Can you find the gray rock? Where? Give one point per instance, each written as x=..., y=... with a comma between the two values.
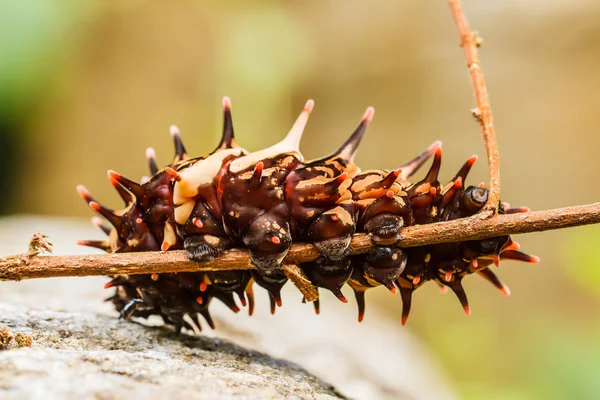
x=81, y=350
x=87, y=355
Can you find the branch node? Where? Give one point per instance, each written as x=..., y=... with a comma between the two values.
x=476, y=112
x=477, y=40
x=39, y=244
x=301, y=281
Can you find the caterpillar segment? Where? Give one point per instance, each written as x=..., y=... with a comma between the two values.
x=198, y=211
x=330, y=274
x=380, y=266
x=268, y=199
x=252, y=192
x=319, y=200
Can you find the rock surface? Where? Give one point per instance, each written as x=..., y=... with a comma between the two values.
x=81, y=350
x=79, y=355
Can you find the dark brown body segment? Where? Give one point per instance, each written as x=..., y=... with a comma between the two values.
x=319, y=199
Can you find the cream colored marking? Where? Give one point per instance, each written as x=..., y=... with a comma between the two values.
x=212, y=240
x=354, y=284
x=290, y=144
x=345, y=217
x=446, y=188
x=379, y=192
x=371, y=281
x=267, y=172
x=369, y=178
x=247, y=175
x=169, y=234
x=289, y=159
x=319, y=196
x=323, y=168
x=395, y=256
x=270, y=172
x=364, y=203
x=133, y=242
x=317, y=180
x=345, y=186
x=183, y=212
x=113, y=239
x=403, y=183
x=347, y=195
x=201, y=173
x=310, y=213
x=352, y=170
x=427, y=258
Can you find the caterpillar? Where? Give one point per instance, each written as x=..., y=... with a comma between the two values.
x=266, y=200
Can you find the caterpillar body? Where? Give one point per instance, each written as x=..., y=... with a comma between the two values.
x=266, y=200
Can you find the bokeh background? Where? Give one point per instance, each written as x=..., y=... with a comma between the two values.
x=87, y=86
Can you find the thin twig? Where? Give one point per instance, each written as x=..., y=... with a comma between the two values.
x=470, y=41
x=301, y=281
x=16, y=268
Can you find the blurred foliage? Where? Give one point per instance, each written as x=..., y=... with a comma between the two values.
x=86, y=86
x=582, y=259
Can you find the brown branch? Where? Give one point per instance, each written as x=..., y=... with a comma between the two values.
x=301, y=281
x=483, y=112
x=19, y=267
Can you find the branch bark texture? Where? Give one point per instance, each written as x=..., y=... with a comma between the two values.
x=26, y=266
x=470, y=42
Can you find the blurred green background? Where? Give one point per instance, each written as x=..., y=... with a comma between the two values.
x=87, y=86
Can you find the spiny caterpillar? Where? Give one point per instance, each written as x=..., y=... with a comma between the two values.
x=268, y=199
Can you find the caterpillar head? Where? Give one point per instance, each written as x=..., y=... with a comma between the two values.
x=473, y=200
x=448, y=203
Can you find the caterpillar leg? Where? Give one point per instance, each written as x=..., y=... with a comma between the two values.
x=205, y=247
x=145, y=303
x=329, y=274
